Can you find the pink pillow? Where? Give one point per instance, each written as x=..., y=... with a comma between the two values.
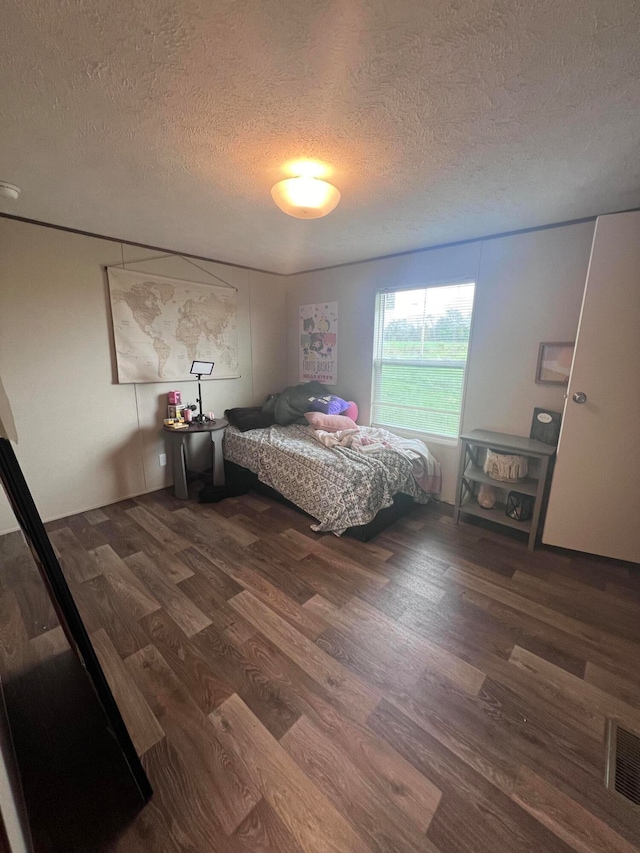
x=329, y=423
x=351, y=411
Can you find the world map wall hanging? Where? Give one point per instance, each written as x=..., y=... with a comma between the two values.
x=162, y=324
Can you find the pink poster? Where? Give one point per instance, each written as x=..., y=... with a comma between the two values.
x=319, y=343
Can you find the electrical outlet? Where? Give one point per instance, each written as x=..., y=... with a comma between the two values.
x=162, y=459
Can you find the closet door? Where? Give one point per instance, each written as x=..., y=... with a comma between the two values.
x=594, y=504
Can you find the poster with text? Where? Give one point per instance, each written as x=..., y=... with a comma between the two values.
x=319, y=343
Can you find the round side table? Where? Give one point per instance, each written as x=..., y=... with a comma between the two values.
x=178, y=448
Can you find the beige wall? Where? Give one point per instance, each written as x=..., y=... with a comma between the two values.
x=529, y=289
x=85, y=441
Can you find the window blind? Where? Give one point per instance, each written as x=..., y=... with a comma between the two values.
x=421, y=344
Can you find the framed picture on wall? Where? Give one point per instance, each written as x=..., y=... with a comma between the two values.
x=554, y=363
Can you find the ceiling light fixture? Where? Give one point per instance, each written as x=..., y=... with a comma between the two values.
x=9, y=190
x=305, y=197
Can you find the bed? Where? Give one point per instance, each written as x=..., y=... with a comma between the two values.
x=342, y=489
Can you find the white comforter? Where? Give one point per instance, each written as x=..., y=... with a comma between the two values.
x=425, y=468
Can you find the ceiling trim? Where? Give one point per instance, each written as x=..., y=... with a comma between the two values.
x=497, y=236
x=454, y=243
x=133, y=243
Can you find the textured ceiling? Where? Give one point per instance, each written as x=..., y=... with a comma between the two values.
x=168, y=121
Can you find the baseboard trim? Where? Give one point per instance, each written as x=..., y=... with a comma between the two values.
x=126, y=498
x=89, y=508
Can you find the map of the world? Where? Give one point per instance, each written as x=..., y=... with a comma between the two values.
x=162, y=324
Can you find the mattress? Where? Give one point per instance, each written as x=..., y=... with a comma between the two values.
x=339, y=487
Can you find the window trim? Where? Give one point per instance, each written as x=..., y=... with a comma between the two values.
x=450, y=282
x=377, y=363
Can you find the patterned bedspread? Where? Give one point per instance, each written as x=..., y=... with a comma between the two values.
x=340, y=487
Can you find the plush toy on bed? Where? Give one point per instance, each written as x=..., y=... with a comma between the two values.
x=351, y=411
x=330, y=404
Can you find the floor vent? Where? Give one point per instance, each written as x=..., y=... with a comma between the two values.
x=623, y=762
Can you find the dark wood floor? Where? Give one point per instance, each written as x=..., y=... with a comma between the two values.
x=436, y=689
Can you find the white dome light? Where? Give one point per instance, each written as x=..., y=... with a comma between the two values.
x=305, y=197
x=9, y=190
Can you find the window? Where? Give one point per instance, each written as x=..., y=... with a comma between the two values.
x=422, y=338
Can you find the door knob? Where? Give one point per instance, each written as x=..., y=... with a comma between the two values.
x=579, y=397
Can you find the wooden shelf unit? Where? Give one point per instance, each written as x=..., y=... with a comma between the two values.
x=528, y=486
x=473, y=445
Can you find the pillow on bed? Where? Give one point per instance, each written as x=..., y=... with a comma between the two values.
x=328, y=405
x=351, y=411
x=329, y=423
x=251, y=417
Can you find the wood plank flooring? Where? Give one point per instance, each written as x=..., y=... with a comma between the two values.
x=437, y=689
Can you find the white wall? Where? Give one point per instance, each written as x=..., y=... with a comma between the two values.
x=84, y=440
x=529, y=289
